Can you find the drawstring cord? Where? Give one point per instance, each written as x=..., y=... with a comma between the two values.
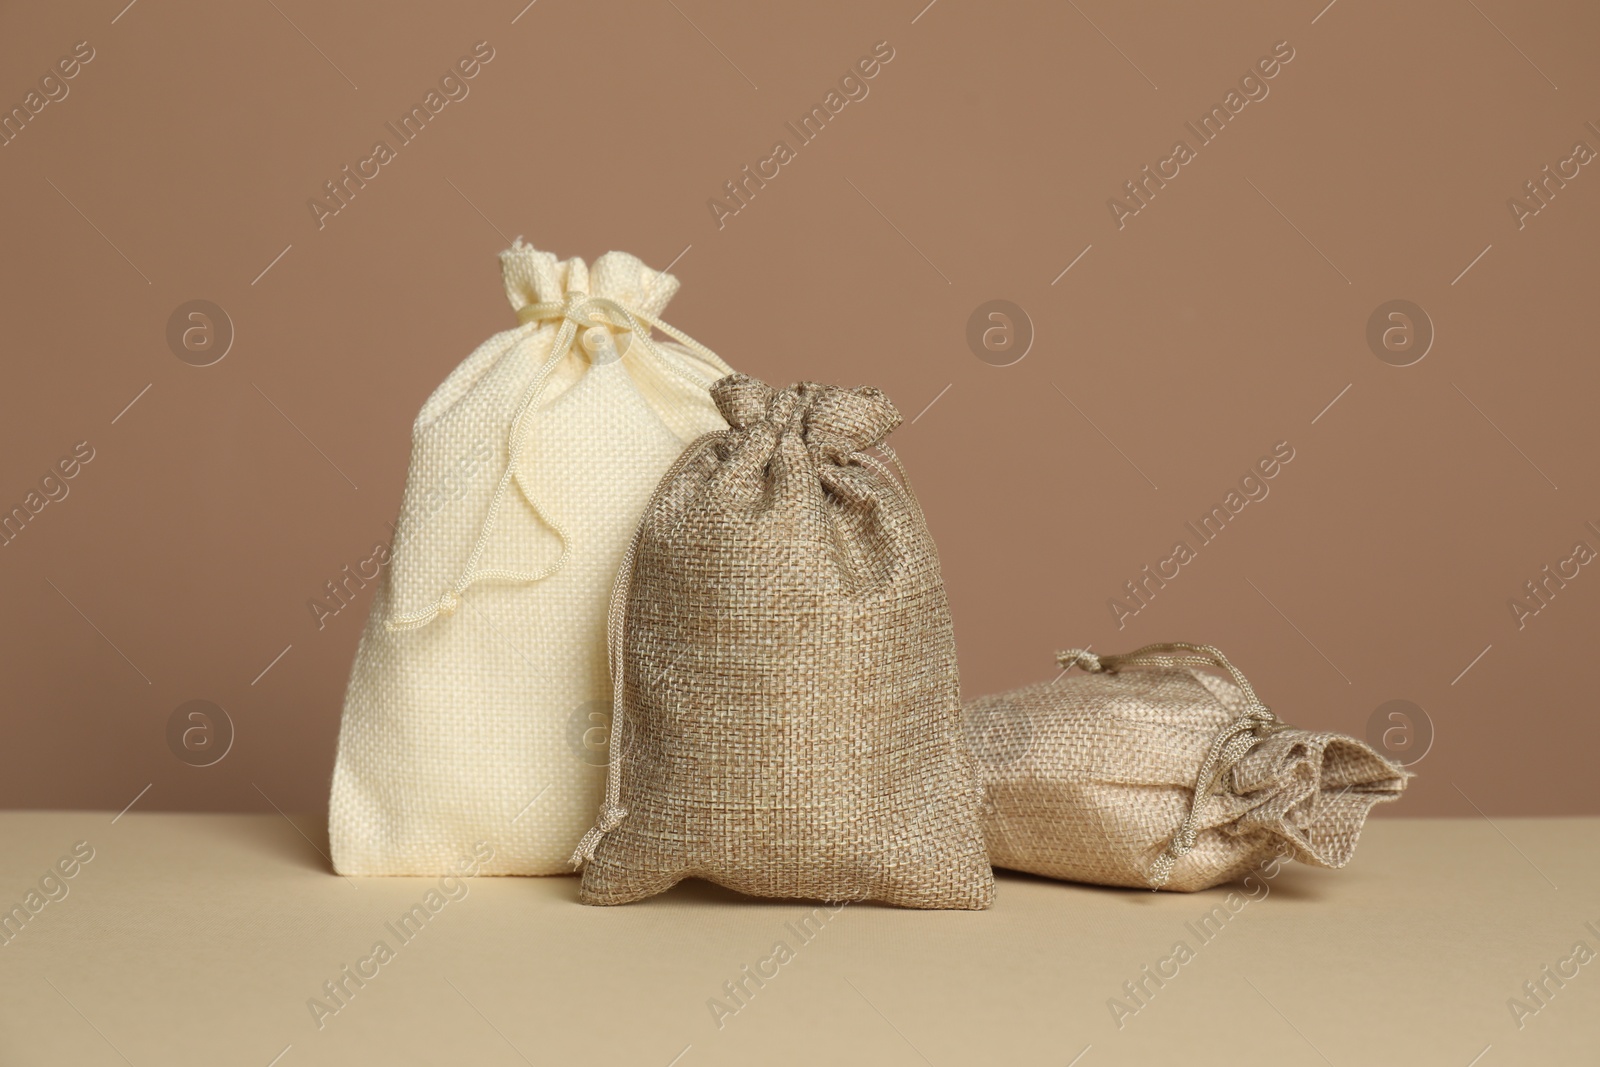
x=577, y=309
x=1255, y=723
x=611, y=810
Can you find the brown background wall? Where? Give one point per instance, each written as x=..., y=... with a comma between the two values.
x=1223, y=318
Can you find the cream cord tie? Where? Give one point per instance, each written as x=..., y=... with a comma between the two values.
x=1256, y=722
x=611, y=810
x=577, y=309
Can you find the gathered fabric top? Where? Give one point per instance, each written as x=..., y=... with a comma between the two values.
x=834, y=422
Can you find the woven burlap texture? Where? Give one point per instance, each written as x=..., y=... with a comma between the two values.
x=789, y=711
x=1088, y=777
x=487, y=721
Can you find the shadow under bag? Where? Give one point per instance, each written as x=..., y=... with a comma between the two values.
x=478, y=706
x=788, y=720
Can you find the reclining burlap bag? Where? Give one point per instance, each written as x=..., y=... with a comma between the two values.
x=1143, y=771
x=478, y=704
x=788, y=719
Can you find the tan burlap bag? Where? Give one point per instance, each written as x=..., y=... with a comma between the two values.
x=786, y=706
x=1144, y=771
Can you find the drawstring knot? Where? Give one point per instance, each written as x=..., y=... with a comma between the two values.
x=576, y=307
x=573, y=304
x=1081, y=658
x=611, y=816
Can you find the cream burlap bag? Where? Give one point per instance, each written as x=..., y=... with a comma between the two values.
x=787, y=705
x=477, y=708
x=1143, y=771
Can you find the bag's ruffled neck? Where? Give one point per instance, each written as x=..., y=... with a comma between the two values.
x=533, y=277
x=834, y=422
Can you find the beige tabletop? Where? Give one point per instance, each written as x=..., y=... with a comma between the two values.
x=208, y=939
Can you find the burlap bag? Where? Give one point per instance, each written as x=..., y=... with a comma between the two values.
x=785, y=673
x=478, y=705
x=1141, y=770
